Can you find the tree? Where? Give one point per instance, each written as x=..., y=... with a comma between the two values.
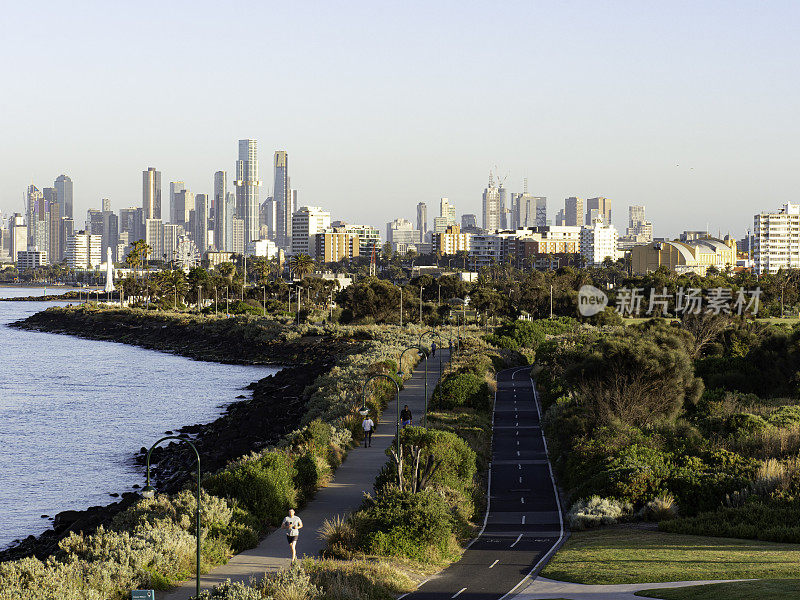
x=301, y=265
x=138, y=253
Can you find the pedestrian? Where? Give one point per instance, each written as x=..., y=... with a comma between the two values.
x=405, y=416
x=451, y=347
x=293, y=525
x=368, y=425
x=433, y=348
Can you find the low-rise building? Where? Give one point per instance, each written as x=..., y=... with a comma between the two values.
x=598, y=242
x=451, y=241
x=694, y=256
x=335, y=244
x=31, y=259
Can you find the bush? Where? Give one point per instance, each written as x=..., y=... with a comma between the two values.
x=661, y=508
x=757, y=520
x=312, y=472
x=231, y=591
x=597, y=511
x=461, y=390
x=263, y=483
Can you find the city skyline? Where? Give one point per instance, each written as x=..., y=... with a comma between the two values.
x=671, y=111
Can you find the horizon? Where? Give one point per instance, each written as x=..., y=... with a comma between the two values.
x=664, y=107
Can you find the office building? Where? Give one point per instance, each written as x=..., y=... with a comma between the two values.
x=224, y=212
x=94, y=221
x=154, y=237
x=19, y=236
x=422, y=220
x=369, y=238
x=602, y=206
x=451, y=241
x=84, y=250
x=528, y=211
x=263, y=248
x=33, y=198
x=307, y=222
x=401, y=231
x=598, y=242
x=201, y=209
x=110, y=233
x=639, y=230
x=67, y=228
x=447, y=216
x=239, y=243
x=54, y=241
x=248, y=187
x=494, y=206
x=776, y=239
x=172, y=237
x=573, y=212
x=282, y=197
x=182, y=204
x=174, y=188
x=63, y=186
x=151, y=194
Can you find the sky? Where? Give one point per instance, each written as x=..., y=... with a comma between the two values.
x=689, y=108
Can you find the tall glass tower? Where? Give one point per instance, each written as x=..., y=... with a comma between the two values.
x=247, y=184
x=63, y=185
x=283, y=200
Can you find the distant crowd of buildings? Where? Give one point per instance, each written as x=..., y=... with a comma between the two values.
x=514, y=228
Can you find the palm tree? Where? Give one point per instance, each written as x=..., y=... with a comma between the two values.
x=301, y=265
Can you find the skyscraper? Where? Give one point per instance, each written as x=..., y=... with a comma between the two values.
x=201, y=222
x=224, y=212
x=603, y=208
x=573, y=212
x=174, y=188
x=63, y=185
x=184, y=202
x=528, y=211
x=247, y=188
x=422, y=220
x=493, y=209
x=151, y=194
x=54, y=249
x=282, y=197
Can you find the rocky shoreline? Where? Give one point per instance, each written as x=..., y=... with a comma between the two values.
x=276, y=407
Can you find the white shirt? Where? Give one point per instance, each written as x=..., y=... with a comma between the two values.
x=367, y=424
x=293, y=523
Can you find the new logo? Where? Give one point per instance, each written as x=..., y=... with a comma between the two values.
x=591, y=300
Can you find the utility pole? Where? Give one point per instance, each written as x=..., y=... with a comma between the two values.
x=551, y=300
x=420, y=304
x=401, y=306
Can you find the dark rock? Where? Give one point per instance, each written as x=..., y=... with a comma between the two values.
x=45, y=516
x=114, y=495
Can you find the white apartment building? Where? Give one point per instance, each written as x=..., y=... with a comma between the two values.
x=452, y=241
x=776, y=239
x=598, y=242
x=263, y=248
x=31, y=259
x=172, y=236
x=307, y=222
x=154, y=237
x=84, y=250
x=401, y=232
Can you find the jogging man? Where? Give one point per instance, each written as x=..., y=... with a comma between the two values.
x=368, y=425
x=293, y=525
x=433, y=348
x=405, y=416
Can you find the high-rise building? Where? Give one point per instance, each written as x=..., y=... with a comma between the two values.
x=19, y=236
x=598, y=242
x=238, y=246
x=573, y=212
x=776, y=239
x=183, y=203
x=67, y=226
x=33, y=199
x=224, y=212
x=451, y=241
x=110, y=233
x=84, y=250
x=106, y=204
x=306, y=223
x=247, y=188
x=422, y=220
x=469, y=221
x=174, y=188
x=50, y=197
x=528, y=211
x=63, y=185
x=54, y=246
x=561, y=217
x=639, y=230
x=94, y=221
x=447, y=216
x=493, y=207
x=154, y=237
x=603, y=208
x=401, y=232
x=282, y=196
x=172, y=235
x=334, y=244
x=201, y=209
x=151, y=194
x=369, y=238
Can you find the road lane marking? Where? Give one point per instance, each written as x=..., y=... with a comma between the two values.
x=516, y=541
x=490, y=566
x=519, y=467
x=517, y=452
x=458, y=593
x=517, y=442
x=523, y=519
x=520, y=479
x=522, y=500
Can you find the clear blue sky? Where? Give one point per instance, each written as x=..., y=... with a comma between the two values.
x=690, y=108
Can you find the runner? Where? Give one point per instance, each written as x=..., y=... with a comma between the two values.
x=405, y=416
x=293, y=525
x=368, y=425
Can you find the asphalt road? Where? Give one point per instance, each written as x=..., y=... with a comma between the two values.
x=523, y=523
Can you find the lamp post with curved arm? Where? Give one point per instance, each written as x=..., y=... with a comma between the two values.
x=149, y=491
x=364, y=410
x=400, y=372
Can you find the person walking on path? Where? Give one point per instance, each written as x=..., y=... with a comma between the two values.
x=368, y=425
x=405, y=416
x=433, y=348
x=293, y=525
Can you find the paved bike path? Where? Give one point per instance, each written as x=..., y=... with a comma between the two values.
x=341, y=497
x=523, y=524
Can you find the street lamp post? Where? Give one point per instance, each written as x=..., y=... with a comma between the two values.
x=436, y=333
x=199, y=310
x=364, y=410
x=149, y=491
x=264, y=304
x=216, y=301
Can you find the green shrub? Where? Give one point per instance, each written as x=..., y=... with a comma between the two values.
x=263, y=483
x=312, y=471
x=461, y=390
x=596, y=511
x=746, y=423
x=231, y=591
x=757, y=520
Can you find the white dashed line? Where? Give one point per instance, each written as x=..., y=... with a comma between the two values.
x=517, y=452
x=522, y=500
x=458, y=593
x=490, y=566
x=520, y=479
x=515, y=542
x=523, y=519
x=519, y=467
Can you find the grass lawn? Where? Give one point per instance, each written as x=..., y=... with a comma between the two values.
x=627, y=555
x=780, y=589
